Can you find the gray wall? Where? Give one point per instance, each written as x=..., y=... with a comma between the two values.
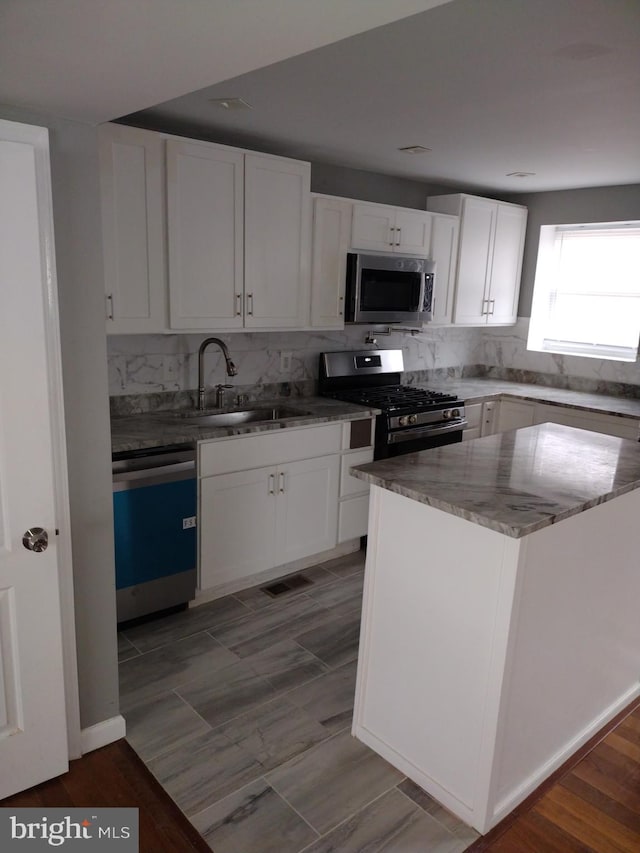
x=369, y=186
x=74, y=168
x=597, y=204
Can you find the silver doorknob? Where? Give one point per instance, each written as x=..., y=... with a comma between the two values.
x=36, y=539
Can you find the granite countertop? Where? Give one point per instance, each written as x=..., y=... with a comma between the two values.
x=479, y=390
x=515, y=482
x=159, y=429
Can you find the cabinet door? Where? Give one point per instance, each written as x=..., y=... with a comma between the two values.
x=236, y=525
x=277, y=242
x=608, y=424
x=307, y=507
x=413, y=232
x=477, y=228
x=444, y=248
x=506, y=265
x=331, y=242
x=131, y=184
x=374, y=227
x=205, y=235
x=513, y=414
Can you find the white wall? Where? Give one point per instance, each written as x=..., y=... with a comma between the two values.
x=80, y=284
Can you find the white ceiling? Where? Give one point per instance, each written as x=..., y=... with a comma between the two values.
x=95, y=60
x=491, y=86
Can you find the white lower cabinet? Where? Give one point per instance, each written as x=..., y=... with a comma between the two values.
x=480, y=418
x=595, y=421
x=269, y=499
x=513, y=414
x=254, y=520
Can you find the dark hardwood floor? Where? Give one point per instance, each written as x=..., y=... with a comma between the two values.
x=115, y=776
x=592, y=807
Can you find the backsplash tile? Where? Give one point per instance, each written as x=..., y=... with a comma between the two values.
x=151, y=372
x=148, y=364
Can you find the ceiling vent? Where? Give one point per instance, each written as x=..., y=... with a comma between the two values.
x=520, y=174
x=414, y=149
x=230, y=103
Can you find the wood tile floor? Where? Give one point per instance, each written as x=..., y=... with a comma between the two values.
x=242, y=708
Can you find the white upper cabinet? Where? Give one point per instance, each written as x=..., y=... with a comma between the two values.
x=444, y=248
x=132, y=195
x=205, y=200
x=490, y=250
x=231, y=228
x=381, y=228
x=331, y=242
x=277, y=242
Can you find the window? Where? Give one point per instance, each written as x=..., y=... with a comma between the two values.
x=586, y=298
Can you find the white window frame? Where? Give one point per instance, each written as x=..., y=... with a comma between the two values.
x=544, y=287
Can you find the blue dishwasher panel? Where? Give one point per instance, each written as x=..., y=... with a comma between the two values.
x=150, y=542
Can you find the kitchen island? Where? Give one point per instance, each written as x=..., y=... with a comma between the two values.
x=500, y=618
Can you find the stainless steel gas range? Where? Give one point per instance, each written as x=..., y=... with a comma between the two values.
x=412, y=418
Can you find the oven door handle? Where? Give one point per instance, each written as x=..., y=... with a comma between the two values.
x=424, y=432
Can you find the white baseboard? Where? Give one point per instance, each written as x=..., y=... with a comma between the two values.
x=108, y=731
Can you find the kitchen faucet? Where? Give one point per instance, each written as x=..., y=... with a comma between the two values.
x=232, y=370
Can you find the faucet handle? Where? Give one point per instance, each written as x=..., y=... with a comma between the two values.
x=220, y=389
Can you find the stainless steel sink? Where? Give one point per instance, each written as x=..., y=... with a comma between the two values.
x=274, y=413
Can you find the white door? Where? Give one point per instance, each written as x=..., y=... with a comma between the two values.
x=237, y=526
x=33, y=731
x=307, y=507
x=477, y=230
x=374, y=227
x=506, y=264
x=205, y=235
x=331, y=241
x=277, y=238
x=413, y=232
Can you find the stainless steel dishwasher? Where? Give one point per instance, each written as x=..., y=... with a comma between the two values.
x=154, y=508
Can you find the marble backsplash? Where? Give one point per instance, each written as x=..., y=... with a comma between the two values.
x=148, y=372
x=503, y=352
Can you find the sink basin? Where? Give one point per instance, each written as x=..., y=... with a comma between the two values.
x=274, y=413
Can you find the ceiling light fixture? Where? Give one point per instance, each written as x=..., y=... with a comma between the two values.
x=415, y=149
x=230, y=103
x=520, y=174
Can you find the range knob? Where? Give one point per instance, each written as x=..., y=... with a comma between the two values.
x=455, y=413
x=446, y=415
x=413, y=419
x=403, y=421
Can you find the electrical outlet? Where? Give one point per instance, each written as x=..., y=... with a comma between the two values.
x=285, y=362
x=188, y=522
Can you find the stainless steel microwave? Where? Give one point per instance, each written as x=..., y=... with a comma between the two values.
x=389, y=289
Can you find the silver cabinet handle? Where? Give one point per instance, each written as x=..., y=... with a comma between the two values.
x=341, y=306
x=484, y=310
x=391, y=242
x=109, y=299
x=249, y=303
x=491, y=302
x=281, y=482
x=399, y=238
x=36, y=539
x=238, y=304
x=272, y=484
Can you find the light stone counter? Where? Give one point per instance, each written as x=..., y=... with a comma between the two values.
x=479, y=390
x=161, y=429
x=500, y=624
x=516, y=482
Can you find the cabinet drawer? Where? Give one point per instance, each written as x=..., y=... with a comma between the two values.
x=240, y=453
x=353, y=518
x=351, y=485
